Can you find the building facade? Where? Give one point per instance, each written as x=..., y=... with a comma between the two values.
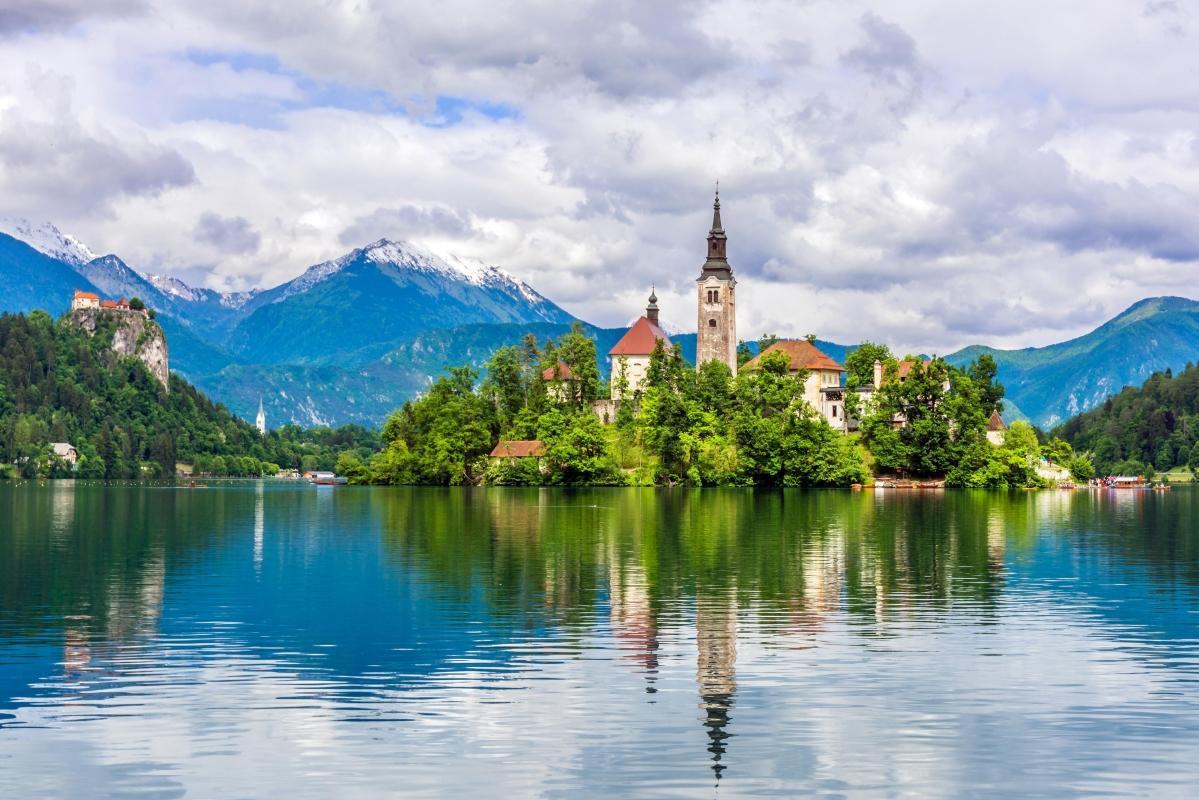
x=716, y=296
x=628, y=360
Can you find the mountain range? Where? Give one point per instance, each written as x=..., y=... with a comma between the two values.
x=350, y=339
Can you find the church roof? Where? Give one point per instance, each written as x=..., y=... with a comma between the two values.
x=801, y=353
x=996, y=423
x=640, y=339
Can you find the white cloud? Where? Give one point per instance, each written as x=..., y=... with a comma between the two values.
x=924, y=174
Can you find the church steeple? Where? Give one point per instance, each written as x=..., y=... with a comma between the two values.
x=717, y=304
x=718, y=261
x=651, y=310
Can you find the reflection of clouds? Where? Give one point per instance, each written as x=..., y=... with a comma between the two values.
x=1059, y=697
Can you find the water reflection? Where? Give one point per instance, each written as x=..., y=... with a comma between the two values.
x=536, y=641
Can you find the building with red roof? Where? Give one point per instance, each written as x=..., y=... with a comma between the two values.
x=630, y=356
x=823, y=389
x=519, y=448
x=84, y=300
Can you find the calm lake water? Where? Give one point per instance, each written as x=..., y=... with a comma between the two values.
x=276, y=640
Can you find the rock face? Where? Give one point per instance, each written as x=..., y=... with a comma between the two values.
x=135, y=335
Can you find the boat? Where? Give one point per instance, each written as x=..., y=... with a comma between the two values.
x=1162, y=487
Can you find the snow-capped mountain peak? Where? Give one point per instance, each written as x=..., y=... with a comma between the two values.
x=174, y=287
x=47, y=239
x=413, y=257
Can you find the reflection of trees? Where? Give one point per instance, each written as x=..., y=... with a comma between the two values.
x=555, y=556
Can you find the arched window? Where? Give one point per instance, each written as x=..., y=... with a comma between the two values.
x=715, y=295
x=711, y=323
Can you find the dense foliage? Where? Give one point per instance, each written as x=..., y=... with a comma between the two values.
x=1155, y=427
x=57, y=384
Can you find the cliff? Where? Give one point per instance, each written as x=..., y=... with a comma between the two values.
x=133, y=334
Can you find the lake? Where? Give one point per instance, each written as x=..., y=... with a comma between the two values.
x=280, y=640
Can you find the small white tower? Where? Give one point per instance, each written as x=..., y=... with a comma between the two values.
x=260, y=422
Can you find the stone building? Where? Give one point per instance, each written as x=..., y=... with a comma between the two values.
x=716, y=298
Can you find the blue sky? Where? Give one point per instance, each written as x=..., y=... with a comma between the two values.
x=924, y=174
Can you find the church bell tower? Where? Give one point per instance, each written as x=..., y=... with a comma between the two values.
x=717, y=301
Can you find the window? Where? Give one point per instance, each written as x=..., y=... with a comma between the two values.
x=711, y=323
x=834, y=412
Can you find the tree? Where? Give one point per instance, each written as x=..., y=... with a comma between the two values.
x=859, y=364
x=576, y=449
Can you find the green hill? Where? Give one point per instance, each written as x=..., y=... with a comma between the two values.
x=1051, y=384
x=1138, y=430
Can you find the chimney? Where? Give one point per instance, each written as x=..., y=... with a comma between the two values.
x=651, y=311
x=878, y=374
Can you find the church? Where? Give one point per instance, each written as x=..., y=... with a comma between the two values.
x=628, y=359
x=716, y=340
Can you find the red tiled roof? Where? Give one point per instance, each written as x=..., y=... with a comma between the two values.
x=518, y=448
x=560, y=373
x=86, y=295
x=906, y=366
x=108, y=304
x=996, y=423
x=801, y=353
x=640, y=339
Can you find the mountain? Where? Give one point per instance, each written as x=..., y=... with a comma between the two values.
x=48, y=240
x=1051, y=384
x=376, y=295
x=1139, y=430
x=32, y=279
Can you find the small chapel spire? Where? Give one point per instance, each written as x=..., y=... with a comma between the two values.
x=716, y=226
x=651, y=310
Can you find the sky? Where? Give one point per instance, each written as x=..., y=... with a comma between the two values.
x=926, y=174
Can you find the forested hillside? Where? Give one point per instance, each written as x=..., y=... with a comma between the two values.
x=1139, y=430
x=57, y=384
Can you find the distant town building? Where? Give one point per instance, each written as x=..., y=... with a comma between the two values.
x=83, y=300
x=260, y=420
x=716, y=298
x=996, y=429
x=87, y=300
x=65, y=451
x=630, y=355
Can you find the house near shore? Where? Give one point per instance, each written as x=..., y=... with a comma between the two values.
x=512, y=450
x=823, y=388
x=65, y=451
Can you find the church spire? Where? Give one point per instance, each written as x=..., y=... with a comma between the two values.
x=651, y=310
x=718, y=261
